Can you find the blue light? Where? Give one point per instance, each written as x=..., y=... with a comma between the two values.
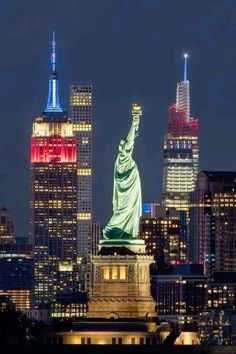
x=53, y=102
x=53, y=56
x=185, y=66
x=146, y=207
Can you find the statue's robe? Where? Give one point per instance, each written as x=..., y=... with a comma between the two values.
x=124, y=223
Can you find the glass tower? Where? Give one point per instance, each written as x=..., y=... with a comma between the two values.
x=181, y=156
x=53, y=197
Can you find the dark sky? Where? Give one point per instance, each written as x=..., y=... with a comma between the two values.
x=129, y=50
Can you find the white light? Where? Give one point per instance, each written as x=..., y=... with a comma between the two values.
x=185, y=55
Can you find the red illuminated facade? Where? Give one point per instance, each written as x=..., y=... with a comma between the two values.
x=51, y=149
x=178, y=124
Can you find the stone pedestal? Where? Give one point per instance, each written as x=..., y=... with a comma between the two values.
x=121, y=281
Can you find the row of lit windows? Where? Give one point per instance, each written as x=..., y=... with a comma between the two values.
x=83, y=171
x=78, y=101
x=82, y=126
x=83, y=215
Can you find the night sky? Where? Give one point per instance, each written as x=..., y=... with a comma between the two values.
x=129, y=50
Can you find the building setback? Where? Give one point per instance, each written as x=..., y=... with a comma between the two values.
x=53, y=196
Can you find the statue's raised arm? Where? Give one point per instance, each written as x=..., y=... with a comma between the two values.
x=133, y=132
x=124, y=223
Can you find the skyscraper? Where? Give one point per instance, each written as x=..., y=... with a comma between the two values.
x=53, y=196
x=180, y=165
x=81, y=116
x=213, y=221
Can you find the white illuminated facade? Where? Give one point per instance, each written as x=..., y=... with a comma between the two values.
x=81, y=116
x=180, y=169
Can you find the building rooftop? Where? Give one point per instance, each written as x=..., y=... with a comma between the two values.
x=224, y=277
x=219, y=175
x=113, y=250
x=117, y=325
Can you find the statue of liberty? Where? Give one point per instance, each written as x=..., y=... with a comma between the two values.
x=127, y=201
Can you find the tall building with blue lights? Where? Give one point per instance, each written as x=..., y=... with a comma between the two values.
x=53, y=196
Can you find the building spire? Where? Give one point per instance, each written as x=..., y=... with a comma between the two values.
x=53, y=102
x=185, y=66
x=53, y=55
x=182, y=92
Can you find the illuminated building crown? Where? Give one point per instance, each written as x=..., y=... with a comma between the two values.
x=182, y=93
x=53, y=102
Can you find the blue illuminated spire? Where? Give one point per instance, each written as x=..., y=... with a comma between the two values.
x=185, y=66
x=53, y=102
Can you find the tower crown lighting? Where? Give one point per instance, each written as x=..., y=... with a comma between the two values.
x=53, y=102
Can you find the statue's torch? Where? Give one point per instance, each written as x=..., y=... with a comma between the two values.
x=136, y=113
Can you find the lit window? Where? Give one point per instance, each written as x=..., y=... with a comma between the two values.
x=114, y=274
x=105, y=272
x=122, y=272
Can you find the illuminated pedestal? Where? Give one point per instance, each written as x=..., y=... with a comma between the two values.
x=121, y=282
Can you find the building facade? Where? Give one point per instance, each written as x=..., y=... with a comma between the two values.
x=217, y=323
x=121, y=282
x=12, y=250
x=161, y=231
x=72, y=305
x=81, y=116
x=16, y=273
x=93, y=242
x=111, y=333
x=16, y=281
x=213, y=221
x=6, y=226
x=180, y=296
x=53, y=197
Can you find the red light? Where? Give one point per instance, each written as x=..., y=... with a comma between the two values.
x=178, y=124
x=54, y=148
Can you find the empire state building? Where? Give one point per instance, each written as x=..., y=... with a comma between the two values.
x=53, y=196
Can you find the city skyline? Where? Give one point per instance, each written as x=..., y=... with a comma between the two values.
x=116, y=84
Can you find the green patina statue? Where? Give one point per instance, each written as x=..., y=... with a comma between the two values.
x=127, y=200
